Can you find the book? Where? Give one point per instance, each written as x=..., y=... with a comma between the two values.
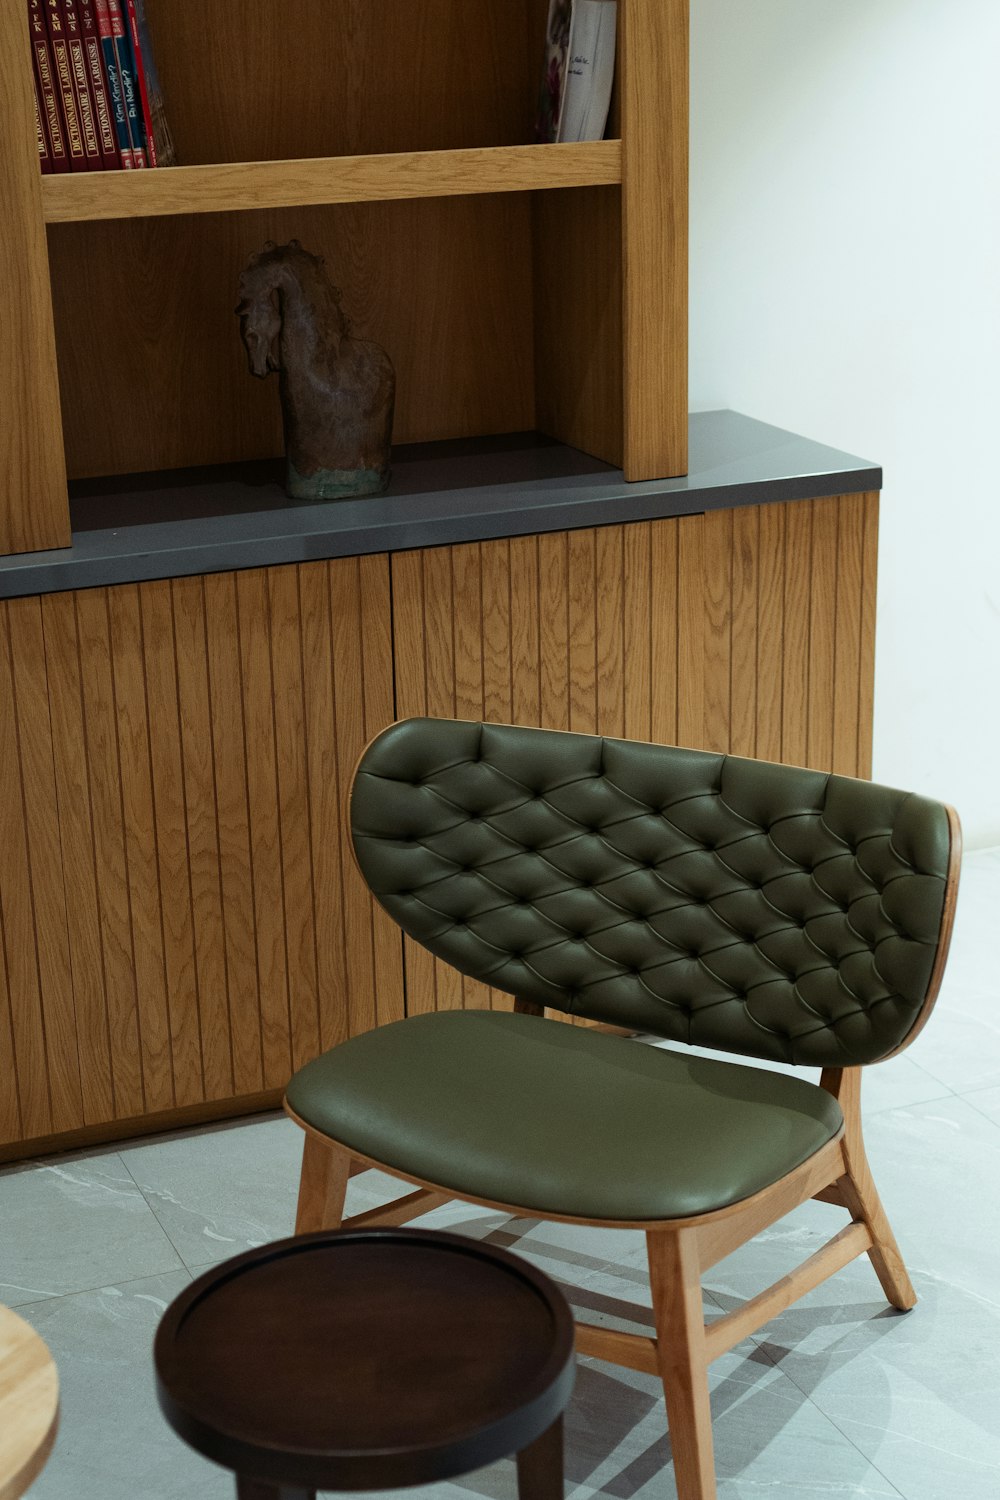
x=160, y=134
x=579, y=70
x=44, y=159
x=129, y=84
x=139, y=73
x=85, y=105
x=53, y=125
x=116, y=98
x=103, y=115
x=63, y=79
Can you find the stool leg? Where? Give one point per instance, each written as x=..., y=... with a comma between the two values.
x=262, y=1489
x=540, y=1466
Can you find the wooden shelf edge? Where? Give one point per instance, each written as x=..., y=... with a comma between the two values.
x=233, y=186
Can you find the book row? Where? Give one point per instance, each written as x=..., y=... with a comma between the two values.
x=98, y=102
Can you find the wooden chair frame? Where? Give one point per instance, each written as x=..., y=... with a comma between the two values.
x=680, y=1251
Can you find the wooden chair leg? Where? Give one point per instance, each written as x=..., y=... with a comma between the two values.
x=864, y=1205
x=675, y=1279
x=857, y=1189
x=322, y=1186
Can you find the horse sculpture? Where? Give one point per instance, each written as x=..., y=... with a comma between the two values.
x=337, y=392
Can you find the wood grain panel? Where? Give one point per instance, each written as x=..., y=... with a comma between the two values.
x=181, y=919
x=293, y=811
x=160, y=670
x=609, y=629
x=62, y=664
x=144, y=320
x=111, y=871
x=253, y=613
x=770, y=629
x=850, y=513
x=637, y=632
x=171, y=761
x=240, y=186
x=745, y=616
x=866, y=685
x=232, y=810
x=201, y=815
x=822, y=632
x=717, y=587
x=17, y=909
x=324, y=805
x=664, y=611
x=796, y=588
x=691, y=631
x=653, y=72
x=34, y=508
x=382, y=998
x=135, y=762
x=578, y=358
x=34, y=732
x=335, y=87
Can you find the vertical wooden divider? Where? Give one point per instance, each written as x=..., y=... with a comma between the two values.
x=770, y=629
x=48, y=889
x=232, y=807
x=34, y=507
x=145, y=899
x=201, y=814
x=16, y=908
x=654, y=74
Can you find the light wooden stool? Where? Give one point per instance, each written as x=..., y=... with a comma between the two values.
x=29, y=1404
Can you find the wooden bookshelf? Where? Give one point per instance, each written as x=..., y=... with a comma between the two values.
x=239, y=186
x=515, y=286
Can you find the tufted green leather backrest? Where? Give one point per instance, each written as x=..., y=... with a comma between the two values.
x=762, y=909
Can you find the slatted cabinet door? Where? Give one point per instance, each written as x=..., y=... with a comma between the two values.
x=181, y=921
x=748, y=631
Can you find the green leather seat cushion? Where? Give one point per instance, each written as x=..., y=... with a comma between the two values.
x=521, y=1110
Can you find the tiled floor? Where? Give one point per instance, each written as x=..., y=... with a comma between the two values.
x=839, y=1397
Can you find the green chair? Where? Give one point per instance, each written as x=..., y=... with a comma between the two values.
x=757, y=909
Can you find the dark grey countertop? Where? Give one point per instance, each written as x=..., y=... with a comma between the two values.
x=172, y=524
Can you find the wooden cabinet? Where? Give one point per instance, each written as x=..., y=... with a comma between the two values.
x=516, y=286
x=182, y=921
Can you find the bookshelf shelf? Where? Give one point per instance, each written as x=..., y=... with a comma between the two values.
x=236, y=186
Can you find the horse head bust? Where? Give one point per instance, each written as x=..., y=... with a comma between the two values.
x=337, y=392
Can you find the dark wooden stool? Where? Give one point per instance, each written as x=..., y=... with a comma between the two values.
x=369, y=1359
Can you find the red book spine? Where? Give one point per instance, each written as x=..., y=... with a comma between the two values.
x=110, y=157
x=63, y=72
x=44, y=159
x=140, y=73
x=85, y=104
x=53, y=126
x=133, y=107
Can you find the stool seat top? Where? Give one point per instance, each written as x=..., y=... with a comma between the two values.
x=357, y=1359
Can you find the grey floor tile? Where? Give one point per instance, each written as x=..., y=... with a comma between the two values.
x=113, y=1443
x=222, y=1190
x=987, y=1101
x=75, y=1222
x=918, y=1393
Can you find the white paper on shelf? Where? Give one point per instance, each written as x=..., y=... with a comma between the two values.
x=590, y=71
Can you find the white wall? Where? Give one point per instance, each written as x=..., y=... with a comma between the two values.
x=845, y=283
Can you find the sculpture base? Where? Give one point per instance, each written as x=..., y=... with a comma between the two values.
x=335, y=484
